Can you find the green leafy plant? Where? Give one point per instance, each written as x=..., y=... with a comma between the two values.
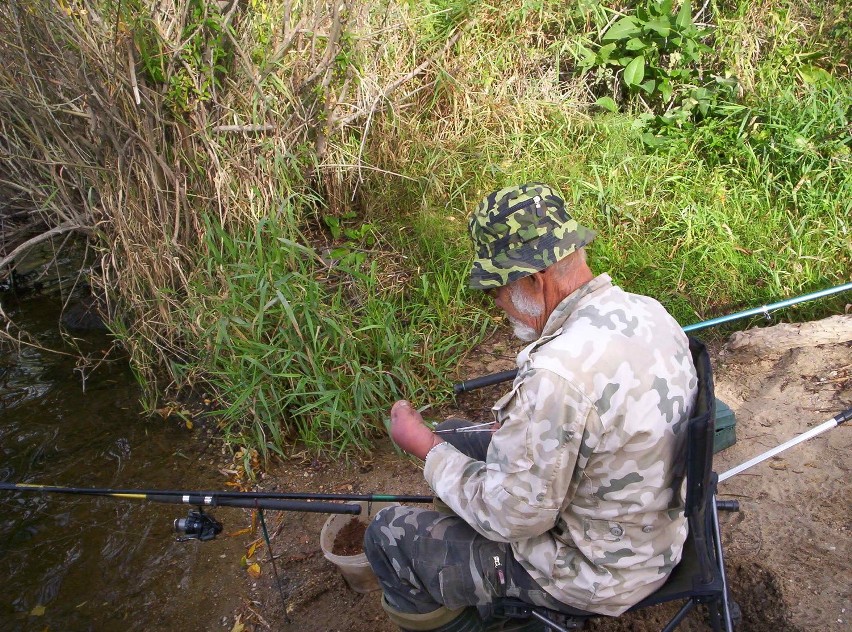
x=654, y=56
x=196, y=70
x=652, y=52
x=352, y=240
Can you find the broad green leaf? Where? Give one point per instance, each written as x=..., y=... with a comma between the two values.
x=652, y=141
x=814, y=75
x=607, y=103
x=605, y=52
x=624, y=28
x=635, y=44
x=649, y=86
x=684, y=16
x=635, y=71
x=586, y=55
x=660, y=25
x=666, y=91
x=665, y=7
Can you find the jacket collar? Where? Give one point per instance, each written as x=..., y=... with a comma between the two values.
x=567, y=306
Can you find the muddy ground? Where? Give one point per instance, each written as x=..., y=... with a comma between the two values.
x=788, y=549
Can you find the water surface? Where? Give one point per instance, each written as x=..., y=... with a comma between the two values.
x=88, y=563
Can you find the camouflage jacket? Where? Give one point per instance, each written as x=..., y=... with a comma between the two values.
x=583, y=477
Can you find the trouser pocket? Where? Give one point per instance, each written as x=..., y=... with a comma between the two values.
x=463, y=572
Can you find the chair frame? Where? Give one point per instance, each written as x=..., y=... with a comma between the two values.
x=699, y=577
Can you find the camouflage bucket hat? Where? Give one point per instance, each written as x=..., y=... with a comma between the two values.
x=521, y=230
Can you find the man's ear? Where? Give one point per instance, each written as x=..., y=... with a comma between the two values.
x=537, y=282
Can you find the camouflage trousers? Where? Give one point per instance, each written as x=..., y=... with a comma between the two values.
x=426, y=559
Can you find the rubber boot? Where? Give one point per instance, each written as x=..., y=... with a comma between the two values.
x=459, y=620
x=440, y=620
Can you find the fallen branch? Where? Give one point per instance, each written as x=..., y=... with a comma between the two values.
x=29, y=243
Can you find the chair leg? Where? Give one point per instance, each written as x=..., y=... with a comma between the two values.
x=568, y=623
x=551, y=625
x=720, y=560
x=680, y=616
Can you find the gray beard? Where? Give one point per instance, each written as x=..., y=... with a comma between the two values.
x=522, y=331
x=525, y=306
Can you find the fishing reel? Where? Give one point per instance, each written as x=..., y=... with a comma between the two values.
x=197, y=526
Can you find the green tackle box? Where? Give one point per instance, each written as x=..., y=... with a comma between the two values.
x=726, y=423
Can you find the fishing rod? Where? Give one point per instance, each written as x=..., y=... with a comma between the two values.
x=246, y=500
x=279, y=501
x=506, y=376
x=197, y=525
x=214, y=498
x=204, y=527
x=835, y=421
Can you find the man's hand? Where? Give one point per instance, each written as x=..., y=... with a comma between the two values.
x=408, y=431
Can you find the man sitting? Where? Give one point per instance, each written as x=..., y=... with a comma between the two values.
x=574, y=501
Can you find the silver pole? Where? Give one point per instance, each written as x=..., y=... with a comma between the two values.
x=828, y=425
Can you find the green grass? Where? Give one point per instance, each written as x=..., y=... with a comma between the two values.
x=298, y=347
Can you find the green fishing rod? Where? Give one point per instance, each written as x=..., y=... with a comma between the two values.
x=230, y=498
x=197, y=525
x=245, y=500
x=506, y=376
x=200, y=526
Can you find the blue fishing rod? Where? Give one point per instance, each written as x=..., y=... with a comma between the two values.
x=765, y=310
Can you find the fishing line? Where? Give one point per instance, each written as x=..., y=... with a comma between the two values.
x=272, y=560
x=764, y=310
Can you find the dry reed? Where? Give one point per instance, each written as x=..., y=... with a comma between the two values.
x=129, y=122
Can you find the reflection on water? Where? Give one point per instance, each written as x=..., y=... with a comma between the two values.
x=89, y=563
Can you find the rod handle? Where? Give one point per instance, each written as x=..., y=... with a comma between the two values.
x=728, y=505
x=845, y=416
x=485, y=380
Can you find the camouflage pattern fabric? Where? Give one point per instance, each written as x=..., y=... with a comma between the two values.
x=424, y=559
x=521, y=230
x=584, y=477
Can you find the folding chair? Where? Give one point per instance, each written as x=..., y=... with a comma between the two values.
x=699, y=578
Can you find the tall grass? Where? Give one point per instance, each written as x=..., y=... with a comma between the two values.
x=298, y=346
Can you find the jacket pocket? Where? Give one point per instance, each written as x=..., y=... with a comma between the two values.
x=604, y=540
